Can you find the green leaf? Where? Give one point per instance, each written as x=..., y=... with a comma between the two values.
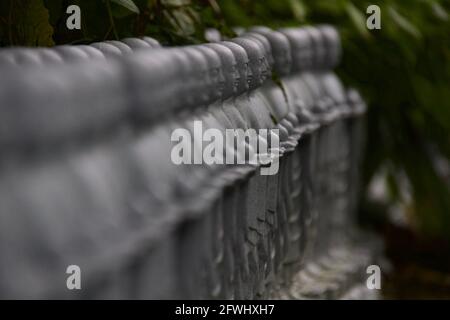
x=298, y=9
x=404, y=23
x=439, y=11
x=129, y=4
x=358, y=19
x=30, y=23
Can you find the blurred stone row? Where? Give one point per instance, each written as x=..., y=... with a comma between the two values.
x=87, y=177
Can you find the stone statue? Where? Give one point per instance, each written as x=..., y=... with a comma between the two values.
x=256, y=113
x=213, y=35
x=236, y=197
x=287, y=122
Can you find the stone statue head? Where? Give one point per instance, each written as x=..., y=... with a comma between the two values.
x=32, y=57
x=318, y=46
x=265, y=43
x=301, y=48
x=152, y=42
x=332, y=44
x=62, y=101
x=136, y=43
x=50, y=56
x=281, y=49
x=92, y=52
x=121, y=46
x=151, y=76
x=108, y=50
x=197, y=60
x=216, y=81
x=257, y=61
x=242, y=63
x=229, y=68
x=267, y=59
x=20, y=56
x=188, y=77
x=213, y=35
x=71, y=53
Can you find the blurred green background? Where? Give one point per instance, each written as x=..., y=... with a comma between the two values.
x=402, y=70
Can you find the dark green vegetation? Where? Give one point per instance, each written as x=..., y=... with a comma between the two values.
x=402, y=70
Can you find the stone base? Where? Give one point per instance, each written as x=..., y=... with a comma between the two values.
x=340, y=274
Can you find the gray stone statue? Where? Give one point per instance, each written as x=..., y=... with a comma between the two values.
x=217, y=178
x=233, y=252
x=236, y=197
x=166, y=72
x=320, y=101
x=287, y=120
x=332, y=45
x=256, y=113
x=303, y=101
x=213, y=35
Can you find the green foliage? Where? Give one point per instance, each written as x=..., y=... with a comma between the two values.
x=403, y=70
x=25, y=22
x=128, y=4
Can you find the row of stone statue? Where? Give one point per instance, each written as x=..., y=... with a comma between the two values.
x=177, y=78
x=87, y=176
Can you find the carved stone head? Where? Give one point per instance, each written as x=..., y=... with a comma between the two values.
x=332, y=45
x=318, y=45
x=62, y=101
x=151, y=76
x=201, y=93
x=136, y=43
x=281, y=49
x=213, y=35
x=216, y=79
x=257, y=61
x=92, y=52
x=229, y=68
x=265, y=43
x=32, y=57
x=71, y=53
x=20, y=56
x=189, y=76
x=121, y=46
x=152, y=42
x=242, y=63
x=108, y=50
x=50, y=56
x=301, y=48
x=267, y=61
